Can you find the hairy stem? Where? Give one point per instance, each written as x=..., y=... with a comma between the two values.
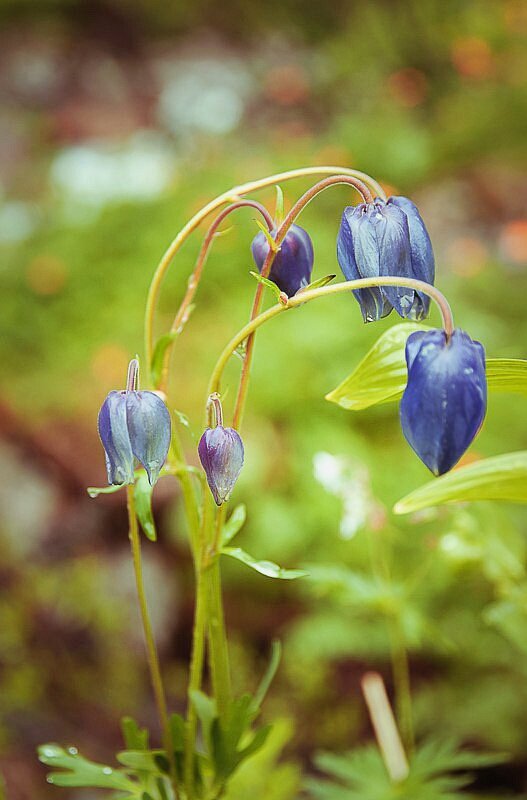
x=231, y=195
x=151, y=649
x=323, y=291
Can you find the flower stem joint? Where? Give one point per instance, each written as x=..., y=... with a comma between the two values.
x=293, y=263
x=444, y=403
x=134, y=425
x=221, y=454
x=386, y=238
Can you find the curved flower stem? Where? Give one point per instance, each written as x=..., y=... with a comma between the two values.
x=229, y=196
x=312, y=294
x=151, y=649
x=298, y=207
x=192, y=285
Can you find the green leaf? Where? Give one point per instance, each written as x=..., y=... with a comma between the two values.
x=159, y=353
x=318, y=283
x=266, y=282
x=206, y=711
x=267, y=679
x=234, y=524
x=381, y=375
x=143, y=506
x=78, y=771
x=95, y=491
x=498, y=478
x=264, y=567
x=268, y=235
x=142, y=760
x=135, y=738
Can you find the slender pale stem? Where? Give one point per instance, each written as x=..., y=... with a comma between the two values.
x=193, y=282
x=151, y=649
x=324, y=291
x=228, y=197
x=297, y=208
x=383, y=722
x=218, y=651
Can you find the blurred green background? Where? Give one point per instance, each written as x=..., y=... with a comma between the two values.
x=119, y=119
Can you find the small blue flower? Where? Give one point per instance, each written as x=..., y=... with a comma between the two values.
x=445, y=400
x=134, y=424
x=292, y=265
x=386, y=239
x=221, y=454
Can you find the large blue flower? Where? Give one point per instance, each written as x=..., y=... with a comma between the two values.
x=292, y=265
x=444, y=403
x=386, y=239
x=132, y=425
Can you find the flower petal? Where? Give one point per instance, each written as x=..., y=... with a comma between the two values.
x=149, y=428
x=113, y=430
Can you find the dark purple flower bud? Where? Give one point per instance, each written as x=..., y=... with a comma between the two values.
x=444, y=403
x=134, y=424
x=292, y=265
x=422, y=255
x=386, y=239
x=221, y=454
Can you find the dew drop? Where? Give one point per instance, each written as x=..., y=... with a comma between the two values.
x=72, y=751
x=49, y=779
x=48, y=752
x=107, y=770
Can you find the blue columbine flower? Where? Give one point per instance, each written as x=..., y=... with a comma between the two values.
x=444, y=403
x=292, y=265
x=221, y=454
x=134, y=424
x=381, y=239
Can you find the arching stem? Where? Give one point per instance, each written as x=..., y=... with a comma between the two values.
x=298, y=207
x=231, y=195
x=324, y=291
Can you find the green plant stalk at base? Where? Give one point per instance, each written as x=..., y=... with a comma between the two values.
x=218, y=651
x=151, y=650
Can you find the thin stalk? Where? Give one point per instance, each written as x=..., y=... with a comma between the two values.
x=324, y=291
x=297, y=208
x=386, y=733
x=193, y=282
x=218, y=651
x=231, y=195
x=196, y=672
x=151, y=649
x=401, y=682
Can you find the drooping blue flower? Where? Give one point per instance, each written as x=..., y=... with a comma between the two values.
x=221, y=454
x=445, y=400
x=386, y=239
x=134, y=424
x=292, y=265
x=421, y=254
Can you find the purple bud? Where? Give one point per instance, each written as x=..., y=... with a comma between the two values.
x=444, y=403
x=134, y=424
x=292, y=265
x=386, y=239
x=221, y=454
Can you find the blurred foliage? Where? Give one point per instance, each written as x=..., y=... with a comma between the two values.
x=428, y=96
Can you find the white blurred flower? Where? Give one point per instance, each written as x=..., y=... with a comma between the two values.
x=349, y=480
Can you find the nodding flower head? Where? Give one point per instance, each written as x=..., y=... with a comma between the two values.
x=221, y=454
x=292, y=265
x=383, y=239
x=134, y=425
x=444, y=403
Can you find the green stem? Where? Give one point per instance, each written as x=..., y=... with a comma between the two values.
x=231, y=195
x=401, y=681
x=218, y=651
x=196, y=671
x=305, y=296
x=151, y=650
